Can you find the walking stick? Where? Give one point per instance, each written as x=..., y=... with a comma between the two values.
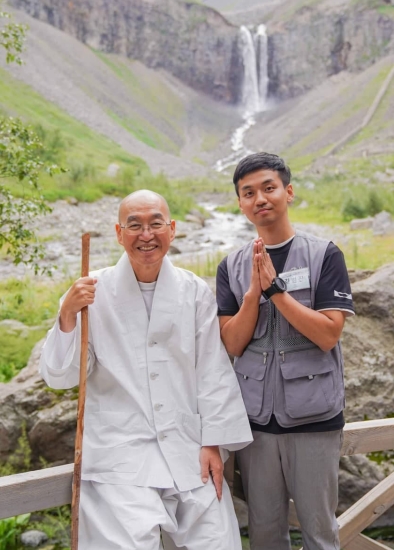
x=76, y=489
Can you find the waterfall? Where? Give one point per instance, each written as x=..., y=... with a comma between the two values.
x=254, y=90
x=250, y=88
x=261, y=46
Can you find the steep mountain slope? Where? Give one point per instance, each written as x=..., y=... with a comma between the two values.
x=308, y=126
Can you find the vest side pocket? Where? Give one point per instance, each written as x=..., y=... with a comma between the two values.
x=250, y=369
x=309, y=382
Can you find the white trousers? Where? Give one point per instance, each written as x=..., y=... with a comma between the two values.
x=123, y=517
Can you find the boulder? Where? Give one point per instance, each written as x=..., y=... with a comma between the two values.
x=383, y=224
x=362, y=223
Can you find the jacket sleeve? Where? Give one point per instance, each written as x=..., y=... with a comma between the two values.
x=223, y=416
x=60, y=357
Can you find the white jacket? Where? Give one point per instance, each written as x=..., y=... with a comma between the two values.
x=157, y=389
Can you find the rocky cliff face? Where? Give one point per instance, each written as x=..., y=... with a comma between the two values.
x=190, y=41
x=315, y=45
x=200, y=47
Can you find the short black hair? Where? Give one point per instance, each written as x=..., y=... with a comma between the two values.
x=261, y=161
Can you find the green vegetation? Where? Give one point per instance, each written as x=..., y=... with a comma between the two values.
x=10, y=529
x=87, y=156
x=30, y=304
x=355, y=107
x=203, y=266
x=149, y=100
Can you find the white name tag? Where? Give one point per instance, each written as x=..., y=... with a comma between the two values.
x=297, y=279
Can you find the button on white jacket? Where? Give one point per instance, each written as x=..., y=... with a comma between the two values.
x=157, y=390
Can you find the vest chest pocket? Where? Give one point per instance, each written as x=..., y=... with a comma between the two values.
x=250, y=369
x=309, y=383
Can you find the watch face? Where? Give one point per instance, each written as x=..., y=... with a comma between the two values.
x=280, y=284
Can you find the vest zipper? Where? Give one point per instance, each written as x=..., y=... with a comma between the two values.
x=282, y=354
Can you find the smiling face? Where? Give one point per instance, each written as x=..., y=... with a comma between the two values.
x=145, y=250
x=264, y=201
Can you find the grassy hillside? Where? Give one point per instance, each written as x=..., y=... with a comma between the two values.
x=155, y=113
x=86, y=155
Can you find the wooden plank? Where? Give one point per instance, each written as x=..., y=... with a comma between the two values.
x=364, y=543
x=368, y=436
x=37, y=490
x=366, y=510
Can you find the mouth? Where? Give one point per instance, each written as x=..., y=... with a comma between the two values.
x=262, y=210
x=147, y=248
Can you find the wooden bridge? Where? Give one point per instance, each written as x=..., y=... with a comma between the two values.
x=41, y=489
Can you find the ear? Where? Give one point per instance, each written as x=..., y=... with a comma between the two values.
x=290, y=193
x=119, y=235
x=172, y=229
x=239, y=204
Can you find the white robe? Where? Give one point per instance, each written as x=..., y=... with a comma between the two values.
x=157, y=389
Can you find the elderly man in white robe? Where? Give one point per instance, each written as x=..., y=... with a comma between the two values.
x=162, y=404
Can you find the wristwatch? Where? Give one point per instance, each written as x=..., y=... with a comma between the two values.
x=277, y=285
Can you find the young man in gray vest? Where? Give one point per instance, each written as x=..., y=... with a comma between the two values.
x=282, y=301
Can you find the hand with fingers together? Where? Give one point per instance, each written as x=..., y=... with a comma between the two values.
x=267, y=271
x=255, y=284
x=211, y=463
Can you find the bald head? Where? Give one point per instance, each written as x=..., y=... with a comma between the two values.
x=143, y=199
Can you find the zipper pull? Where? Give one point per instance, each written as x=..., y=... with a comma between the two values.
x=265, y=357
x=282, y=353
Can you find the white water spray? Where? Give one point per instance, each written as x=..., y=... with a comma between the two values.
x=254, y=90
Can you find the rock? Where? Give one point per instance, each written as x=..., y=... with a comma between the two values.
x=173, y=250
x=374, y=296
x=195, y=219
x=363, y=223
x=359, y=274
x=357, y=476
x=113, y=169
x=383, y=224
x=33, y=538
x=72, y=200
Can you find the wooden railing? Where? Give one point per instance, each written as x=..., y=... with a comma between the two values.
x=38, y=490
x=359, y=438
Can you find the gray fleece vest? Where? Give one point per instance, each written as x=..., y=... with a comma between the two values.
x=281, y=372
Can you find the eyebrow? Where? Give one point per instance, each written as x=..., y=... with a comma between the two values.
x=265, y=182
x=133, y=218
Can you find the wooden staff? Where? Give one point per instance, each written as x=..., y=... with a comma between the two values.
x=76, y=489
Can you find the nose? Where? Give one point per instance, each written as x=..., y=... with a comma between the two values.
x=146, y=233
x=260, y=197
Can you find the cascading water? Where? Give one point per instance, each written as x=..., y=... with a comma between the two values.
x=261, y=46
x=254, y=90
x=250, y=88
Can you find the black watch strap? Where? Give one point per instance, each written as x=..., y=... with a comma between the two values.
x=270, y=292
x=278, y=286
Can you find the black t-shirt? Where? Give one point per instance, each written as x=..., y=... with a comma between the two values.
x=333, y=292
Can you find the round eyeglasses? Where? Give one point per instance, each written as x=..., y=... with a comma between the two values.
x=155, y=227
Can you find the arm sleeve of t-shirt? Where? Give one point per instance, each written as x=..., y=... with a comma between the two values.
x=227, y=303
x=333, y=290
